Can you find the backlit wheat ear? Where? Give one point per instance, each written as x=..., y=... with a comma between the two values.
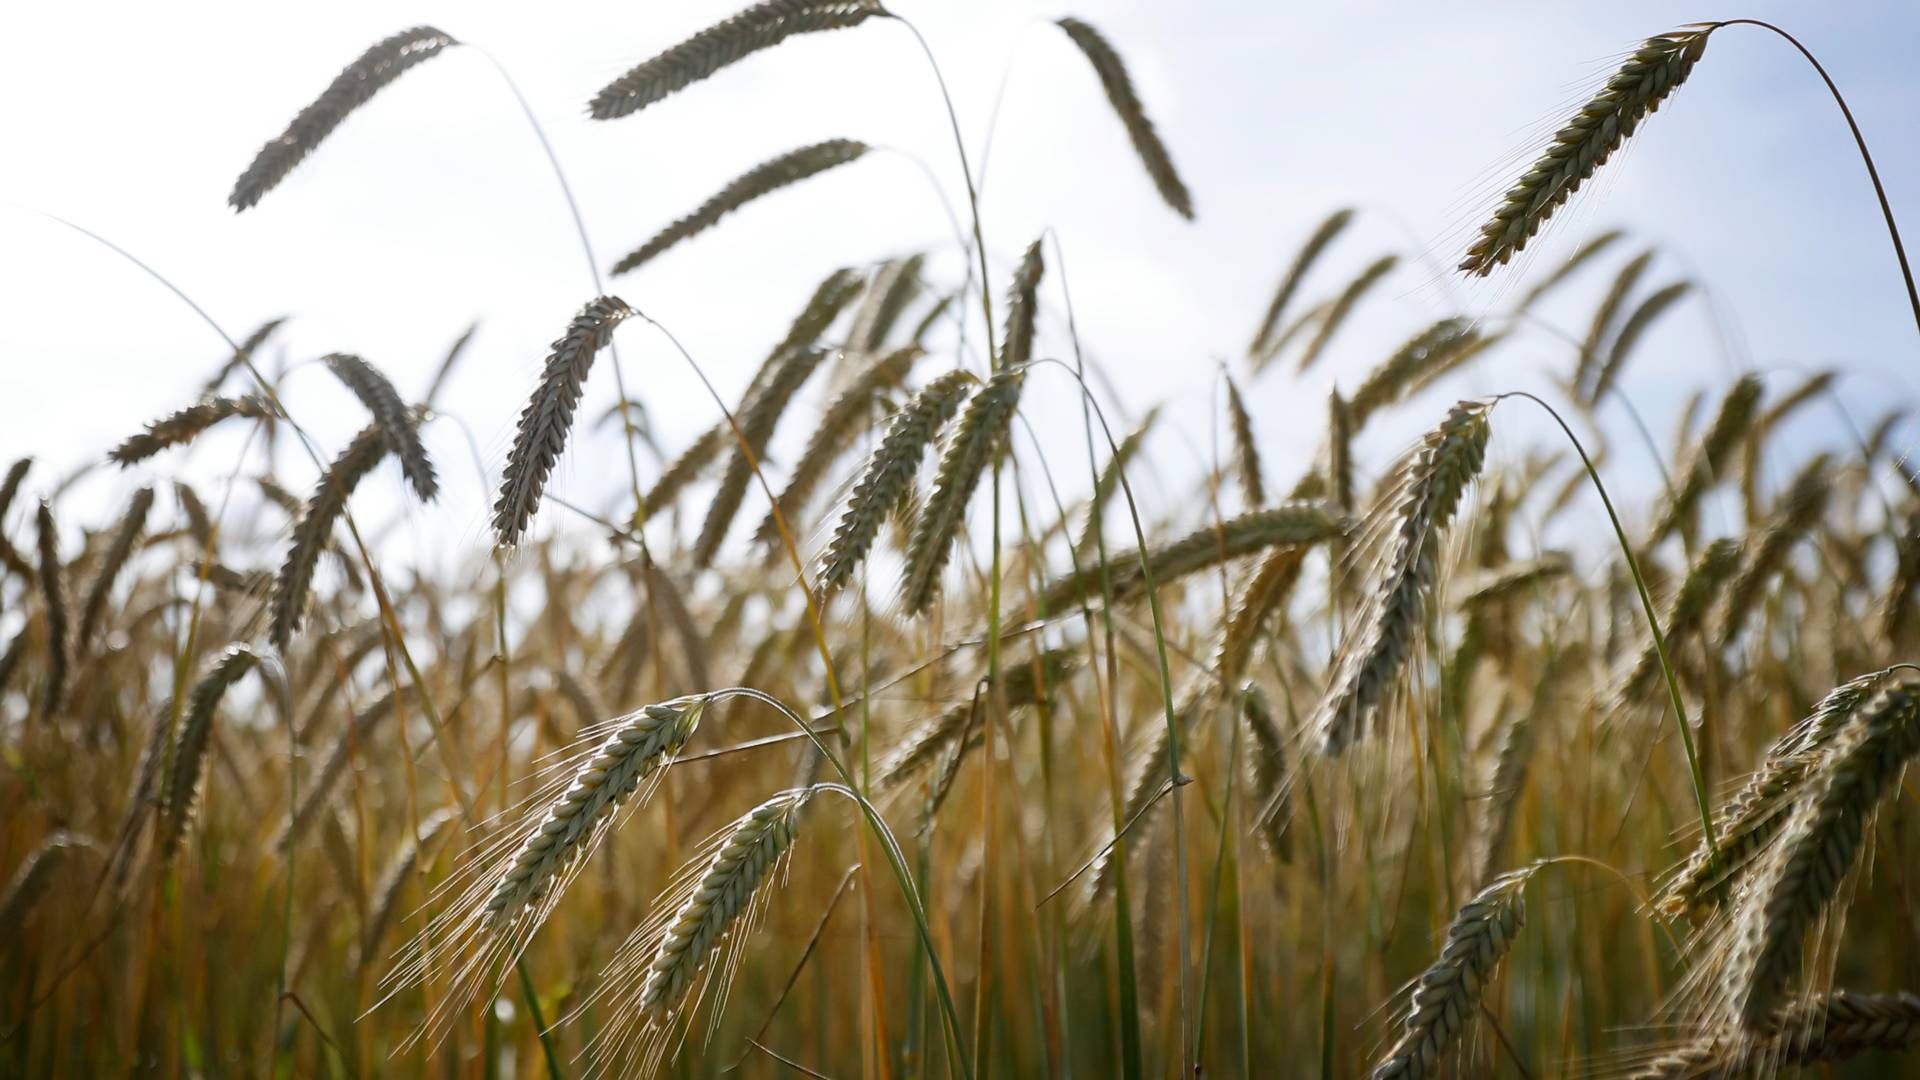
x=1821, y=844
x=1631, y=331
x=1343, y=305
x=1448, y=994
x=1496, y=585
x=132, y=525
x=1021, y=684
x=10, y=486
x=1291, y=523
x=1126, y=104
x=1016, y=345
x=548, y=417
x=53, y=590
x=35, y=875
x=1683, y=620
x=1267, y=780
x=1584, y=144
x=315, y=530
x=1705, y=461
x=841, y=423
x=396, y=421
x=784, y=171
x=1409, y=366
x=401, y=868
x=1800, y=508
x=1565, y=270
x=1750, y=820
x=1246, y=452
x=894, y=286
x=1108, y=482
x=180, y=795
x=673, y=958
x=975, y=443
x=316, y=795
x=1421, y=504
x=244, y=354
x=757, y=419
x=639, y=744
x=199, y=522
x=1842, y=1024
x=186, y=425
x=1263, y=594
x=888, y=473
x=729, y=41
x=1309, y=253
x=1604, y=316
x=350, y=89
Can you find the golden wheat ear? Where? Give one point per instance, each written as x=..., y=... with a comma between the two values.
x=352, y=88
x=729, y=41
x=1583, y=144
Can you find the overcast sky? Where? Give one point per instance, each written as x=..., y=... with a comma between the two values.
x=433, y=207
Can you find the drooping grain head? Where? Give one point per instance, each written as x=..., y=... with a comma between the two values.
x=1126, y=104
x=1584, y=144
x=352, y=88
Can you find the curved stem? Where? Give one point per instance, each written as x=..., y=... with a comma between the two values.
x=1653, y=620
x=896, y=860
x=1859, y=140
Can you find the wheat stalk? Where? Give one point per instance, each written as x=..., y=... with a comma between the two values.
x=397, y=422
x=548, y=417
x=884, y=481
x=1584, y=144
x=1448, y=992
x=1126, y=104
x=1421, y=505
x=1303, y=261
x=769, y=176
x=349, y=90
x=729, y=41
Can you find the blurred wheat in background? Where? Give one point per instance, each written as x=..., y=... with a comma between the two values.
x=867, y=733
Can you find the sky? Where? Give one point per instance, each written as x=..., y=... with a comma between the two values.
x=433, y=208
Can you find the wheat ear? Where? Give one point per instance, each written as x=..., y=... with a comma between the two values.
x=1343, y=305
x=729, y=41
x=315, y=529
x=1683, y=620
x=888, y=473
x=548, y=417
x=185, y=425
x=1704, y=461
x=1750, y=820
x=1020, y=684
x=976, y=442
x=639, y=744
x=1309, y=253
x=769, y=176
x=1126, y=104
x=1292, y=523
x=349, y=90
x=180, y=795
x=741, y=865
x=1267, y=781
x=1584, y=144
x=757, y=420
x=1408, y=367
x=893, y=287
x=132, y=525
x=1820, y=846
x=1246, y=452
x=1448, y=993
x=53, y=590
x=317, y=796
x=397, y=423
x=1798, y=512
x=244, y=354
x=1630, y=334
x=840, y=424
x=1604, y=317
x=1421, y=505
x=1587, y=253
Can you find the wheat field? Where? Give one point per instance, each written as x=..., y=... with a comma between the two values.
x=870, y=733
